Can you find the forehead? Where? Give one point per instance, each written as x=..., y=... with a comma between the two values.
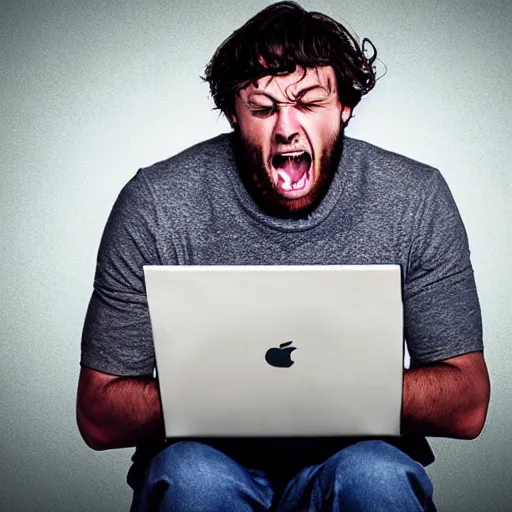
x=284, y=87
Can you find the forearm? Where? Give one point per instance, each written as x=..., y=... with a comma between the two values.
x=135, y=413
x=445, y=400
x=125, y=412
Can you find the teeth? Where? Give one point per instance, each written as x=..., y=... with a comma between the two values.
x=293, y=154
x=301, y=182
x=287, y=185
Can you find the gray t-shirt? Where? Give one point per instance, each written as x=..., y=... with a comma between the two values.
x=193, y=209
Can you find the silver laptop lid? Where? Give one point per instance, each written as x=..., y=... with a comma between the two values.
x=278, y=351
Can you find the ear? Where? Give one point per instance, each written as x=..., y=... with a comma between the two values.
x=346, y=114
x=231, y=117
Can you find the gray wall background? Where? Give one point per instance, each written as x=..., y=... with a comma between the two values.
x=90, y=91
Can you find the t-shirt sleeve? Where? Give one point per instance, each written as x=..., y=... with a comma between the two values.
x=117, y=337
x=441, y=307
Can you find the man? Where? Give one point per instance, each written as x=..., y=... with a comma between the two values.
x=286, y=187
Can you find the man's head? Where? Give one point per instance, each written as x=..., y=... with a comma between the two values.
x=288, y=81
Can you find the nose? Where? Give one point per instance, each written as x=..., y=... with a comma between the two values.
x=286, y=129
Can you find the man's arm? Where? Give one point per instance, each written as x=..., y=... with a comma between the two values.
x=118, y=412
x=447, y=399
x=113, y=411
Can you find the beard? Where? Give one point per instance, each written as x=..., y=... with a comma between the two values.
x=253, y=173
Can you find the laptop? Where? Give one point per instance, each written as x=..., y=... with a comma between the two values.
x=278, y=351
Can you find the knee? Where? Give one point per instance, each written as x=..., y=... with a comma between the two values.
x=189, y=476
x=189, y=465
x=376, y=469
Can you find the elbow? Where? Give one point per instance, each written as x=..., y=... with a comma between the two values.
x=93, y=416
x=473, y=422
x=94, y=443
x=471, y=427
x=94, y=436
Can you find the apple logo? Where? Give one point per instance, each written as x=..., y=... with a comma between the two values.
x=280, y=357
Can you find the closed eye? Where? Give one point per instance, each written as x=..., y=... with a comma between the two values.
x=267, y=111
x=308, y=107
x=263, y=111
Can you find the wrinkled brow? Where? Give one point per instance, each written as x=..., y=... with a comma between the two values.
x=327, y=87
x=323, y=93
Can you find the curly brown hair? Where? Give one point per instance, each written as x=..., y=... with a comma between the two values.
x=282, y=37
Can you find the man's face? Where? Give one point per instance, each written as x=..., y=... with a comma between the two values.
x=290, y=127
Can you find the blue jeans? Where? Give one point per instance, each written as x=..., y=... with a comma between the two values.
x=368, y=476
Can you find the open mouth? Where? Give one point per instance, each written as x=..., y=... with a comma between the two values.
x=291, y=171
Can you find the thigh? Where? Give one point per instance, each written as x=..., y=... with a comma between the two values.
x=192, y=476
x=368, y=476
